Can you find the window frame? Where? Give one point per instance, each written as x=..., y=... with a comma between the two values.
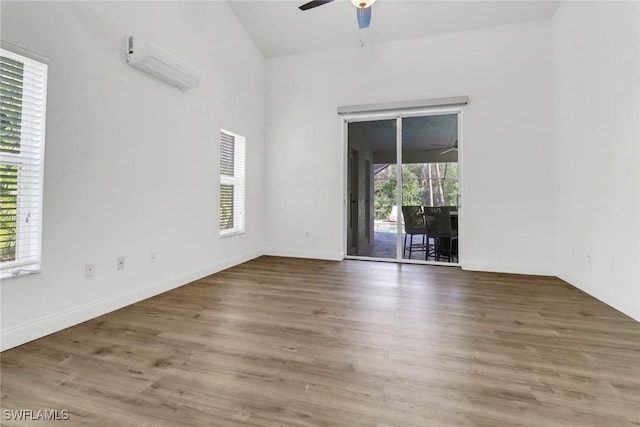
x=237, y=181
x=28, y=250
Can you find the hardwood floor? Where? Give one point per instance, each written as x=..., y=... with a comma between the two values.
x=280, y=341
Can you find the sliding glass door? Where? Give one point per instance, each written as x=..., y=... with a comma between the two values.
x=430, y=180
x=372, y=190
x=403, y=188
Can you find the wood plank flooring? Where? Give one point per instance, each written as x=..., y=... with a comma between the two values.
x=280, y=341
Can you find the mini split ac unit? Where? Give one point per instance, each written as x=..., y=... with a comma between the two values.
x=154, y=60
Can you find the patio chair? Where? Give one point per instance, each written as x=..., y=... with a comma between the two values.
x=438, y=224
x=414, y=224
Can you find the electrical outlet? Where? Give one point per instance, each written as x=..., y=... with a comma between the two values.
x=121, y=263
x=152, y=256
x=88, y=270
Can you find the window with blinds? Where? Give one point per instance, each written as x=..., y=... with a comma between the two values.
x=232, y=156
x=22, y=121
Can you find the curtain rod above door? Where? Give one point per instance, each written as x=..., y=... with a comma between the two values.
x=404, y=105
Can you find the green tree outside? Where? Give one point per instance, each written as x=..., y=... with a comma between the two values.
x=424, y=184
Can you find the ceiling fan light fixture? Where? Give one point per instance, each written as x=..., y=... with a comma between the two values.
x=364, y=17
x=363, y=9
x=362, y=4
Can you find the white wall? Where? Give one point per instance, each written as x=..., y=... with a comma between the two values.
x=508, y=138
x=132, y=163
x=597, y=126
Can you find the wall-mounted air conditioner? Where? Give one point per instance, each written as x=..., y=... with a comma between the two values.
x=156, y=61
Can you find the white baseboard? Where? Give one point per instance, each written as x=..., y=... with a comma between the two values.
x=299, y=253
x=43, y=326
x=530, y=269
x=618, y=302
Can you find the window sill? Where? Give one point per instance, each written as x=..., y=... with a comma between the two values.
x=10, y=274
x=231, y=233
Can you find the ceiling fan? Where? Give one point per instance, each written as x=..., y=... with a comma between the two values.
x=454, y=148
x=447, y=148
x=363, y=9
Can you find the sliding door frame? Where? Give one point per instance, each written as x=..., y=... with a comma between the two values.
x=398, y=115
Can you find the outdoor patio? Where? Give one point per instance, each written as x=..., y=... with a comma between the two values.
x=383, y=245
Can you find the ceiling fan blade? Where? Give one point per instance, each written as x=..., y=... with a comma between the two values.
x=314, y=3
x=454, y=148
x=364, y=16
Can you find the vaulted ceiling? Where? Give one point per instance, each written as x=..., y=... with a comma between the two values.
x=279, y=28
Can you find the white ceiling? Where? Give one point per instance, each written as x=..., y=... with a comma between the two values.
x=279, y=28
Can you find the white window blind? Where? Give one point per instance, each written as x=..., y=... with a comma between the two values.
x=22, y=123
x=232, y=184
